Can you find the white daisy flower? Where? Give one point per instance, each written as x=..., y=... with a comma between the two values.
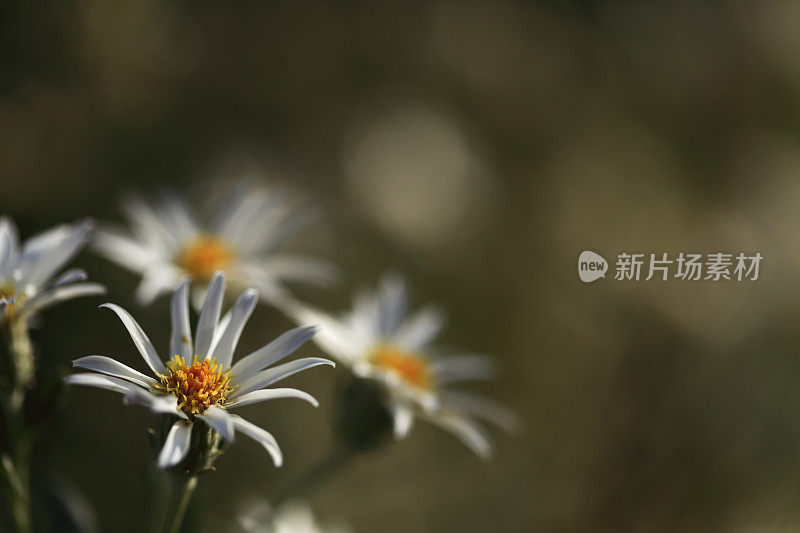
x=26, y=273
x=199, y=381
x=244, y=238
x=379, y=341
x=290, y=517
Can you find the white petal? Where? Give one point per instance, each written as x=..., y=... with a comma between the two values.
x=284, y=224
x=9, y=244
x=47, y=252
x=176, y=445
x=296, y=267
x=179, y=219
x=272, y=352
x=269, y=287
x=271, y=375
x=209, y=316
x=112, y=367
x=70, y=276
x=237, y=211
x=167, y=403
x=462, y=367
x=403, y=421
x=5, y=253
x=124, y=250
x=270, y=394
x=482, y=407
x=222, y=327
x=140, y=339
x=197, y=297
x=156, y=280
x=261, y=436
x=393, y=304
x=364, y=319
x=220, y=420
x=181, y=336
x=467, y=431
x=258, y=220
x=419, y=330
x=223, y=350
x=65, y=292
x=147, y=226
x=102, y=382
x=338, y=338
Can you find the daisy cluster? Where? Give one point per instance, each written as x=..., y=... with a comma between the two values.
x=170, y=246
x=199, y=381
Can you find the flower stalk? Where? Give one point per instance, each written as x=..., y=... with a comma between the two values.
x=19, y=369
x=361, y=425
x=183, y=487
x=321, y=472
x=206, y=446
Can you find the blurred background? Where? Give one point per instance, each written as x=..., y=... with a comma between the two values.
x=478, y=148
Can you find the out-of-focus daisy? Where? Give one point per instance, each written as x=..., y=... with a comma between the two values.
x=199, y=382
x=244, y=238
x=27, y=272
x=379, y=341
x=290, y=517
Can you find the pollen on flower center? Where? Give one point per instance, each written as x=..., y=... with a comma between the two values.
x=7, y=290
x=204, y=256
x=197, y=386
x=410, y=367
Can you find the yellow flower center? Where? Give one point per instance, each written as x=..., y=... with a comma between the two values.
x=410, y=367
x=197, y=386
x=7, y=290
x=204, y=256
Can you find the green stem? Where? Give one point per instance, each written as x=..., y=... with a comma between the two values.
x=182, y=490
x=320, y=472
x=24, y=365
x=19, y=493
x=19, y=362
